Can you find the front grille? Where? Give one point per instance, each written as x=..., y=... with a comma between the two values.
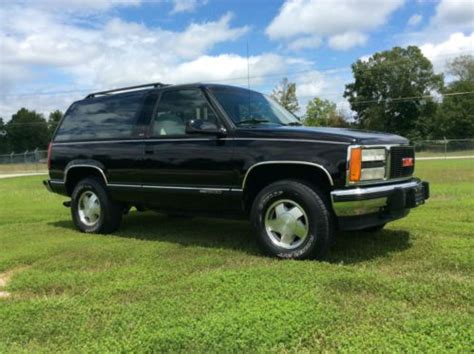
x=397, y=154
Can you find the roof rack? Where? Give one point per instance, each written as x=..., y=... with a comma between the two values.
x=155, y=85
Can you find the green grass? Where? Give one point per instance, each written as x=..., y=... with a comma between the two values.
x=164, y=284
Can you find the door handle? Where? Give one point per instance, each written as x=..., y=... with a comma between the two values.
x=149, y=151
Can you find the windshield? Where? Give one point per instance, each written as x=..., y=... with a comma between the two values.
x=250, y=108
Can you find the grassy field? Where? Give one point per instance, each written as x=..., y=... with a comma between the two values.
x=443, y=154
x=22, y=168
x=164, y=284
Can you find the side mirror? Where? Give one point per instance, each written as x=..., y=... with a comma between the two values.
x=201, y=127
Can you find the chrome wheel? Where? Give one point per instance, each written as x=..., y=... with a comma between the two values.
x=89, y=208
x=286, y=224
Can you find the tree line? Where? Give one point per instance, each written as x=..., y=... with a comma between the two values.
x=27, y=130
x=397, y=91
x=394, y=91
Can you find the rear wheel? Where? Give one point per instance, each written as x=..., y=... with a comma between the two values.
x=292, y=221
x=92, y=209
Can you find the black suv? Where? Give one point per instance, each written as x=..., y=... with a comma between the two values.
x=205, y=149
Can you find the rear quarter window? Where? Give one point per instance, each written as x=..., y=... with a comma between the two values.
x=101, y=118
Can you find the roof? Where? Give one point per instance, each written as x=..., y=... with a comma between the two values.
x=151, y=86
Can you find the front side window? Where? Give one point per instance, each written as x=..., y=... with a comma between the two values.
x=249, y=108
x=101, y=118
x=178, y=107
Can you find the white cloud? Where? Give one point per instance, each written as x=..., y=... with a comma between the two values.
x=347, y=40
x=310, y=84
x=365, y=58
x=186, y=5
x=228, y=67
x=440, y=52
x=298, y=18
x=323, y=84
x=455, y=13
x=38, y=46
x=448, y=33
x=305, y=42
x=414, y=20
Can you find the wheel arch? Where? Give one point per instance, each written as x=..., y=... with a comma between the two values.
x=261, y=174
x=77, y=170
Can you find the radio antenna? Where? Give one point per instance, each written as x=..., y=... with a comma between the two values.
x=248, y=67
x=248, y=80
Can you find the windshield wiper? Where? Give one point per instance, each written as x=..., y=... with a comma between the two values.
x=252, y=121
x=294, y=123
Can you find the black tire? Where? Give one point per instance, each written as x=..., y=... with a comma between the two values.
x=110, y=211
x=180, y=216
x=318, y=225
x=376, y=228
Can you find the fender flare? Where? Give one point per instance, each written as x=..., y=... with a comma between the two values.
x=85, y=164
x=320, y=167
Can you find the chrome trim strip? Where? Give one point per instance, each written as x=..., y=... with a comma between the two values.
x=185, y=188
x=56, y=181
x=148, y=186
x=290, y=140
x=196, y=139
x=84, y=165
x=132, y=141
x=369, y=190
x=287, y=162
x=121, y=185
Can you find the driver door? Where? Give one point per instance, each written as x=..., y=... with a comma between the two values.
x=186, y=171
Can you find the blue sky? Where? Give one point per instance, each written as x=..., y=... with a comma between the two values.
x=53, y=52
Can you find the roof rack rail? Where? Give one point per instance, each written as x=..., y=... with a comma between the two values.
x=155, y=85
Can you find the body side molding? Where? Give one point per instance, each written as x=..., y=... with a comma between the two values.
x=331, y=182
x=186, y=188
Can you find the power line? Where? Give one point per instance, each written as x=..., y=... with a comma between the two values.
x=412, y=98
x=389, y=99
x=246, y=78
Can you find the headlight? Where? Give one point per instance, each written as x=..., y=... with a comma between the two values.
x=366, y=164
x=373, y=155
x=368, y=174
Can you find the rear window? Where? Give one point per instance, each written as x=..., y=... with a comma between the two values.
x=101, y=118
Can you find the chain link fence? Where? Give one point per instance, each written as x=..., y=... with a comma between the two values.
x=28, y=161
x=446, y=148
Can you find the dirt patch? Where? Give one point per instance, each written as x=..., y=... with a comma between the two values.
x=5, y=278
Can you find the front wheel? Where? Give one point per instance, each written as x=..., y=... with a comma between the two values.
x=292, y=221
x=92, y=209
x=376, y=228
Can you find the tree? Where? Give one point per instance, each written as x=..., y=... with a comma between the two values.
x=462, y=68
x=53, y=121
x=321, y=112
x=4, y=148
x=455, y=117
x=386, y=91
x=27, y=130
x=285, y=94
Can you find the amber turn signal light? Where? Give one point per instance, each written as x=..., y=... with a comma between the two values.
x=355, y=165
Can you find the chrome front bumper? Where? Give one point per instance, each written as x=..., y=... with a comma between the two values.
x=379, y=199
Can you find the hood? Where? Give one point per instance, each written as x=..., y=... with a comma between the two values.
x=343, y=135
